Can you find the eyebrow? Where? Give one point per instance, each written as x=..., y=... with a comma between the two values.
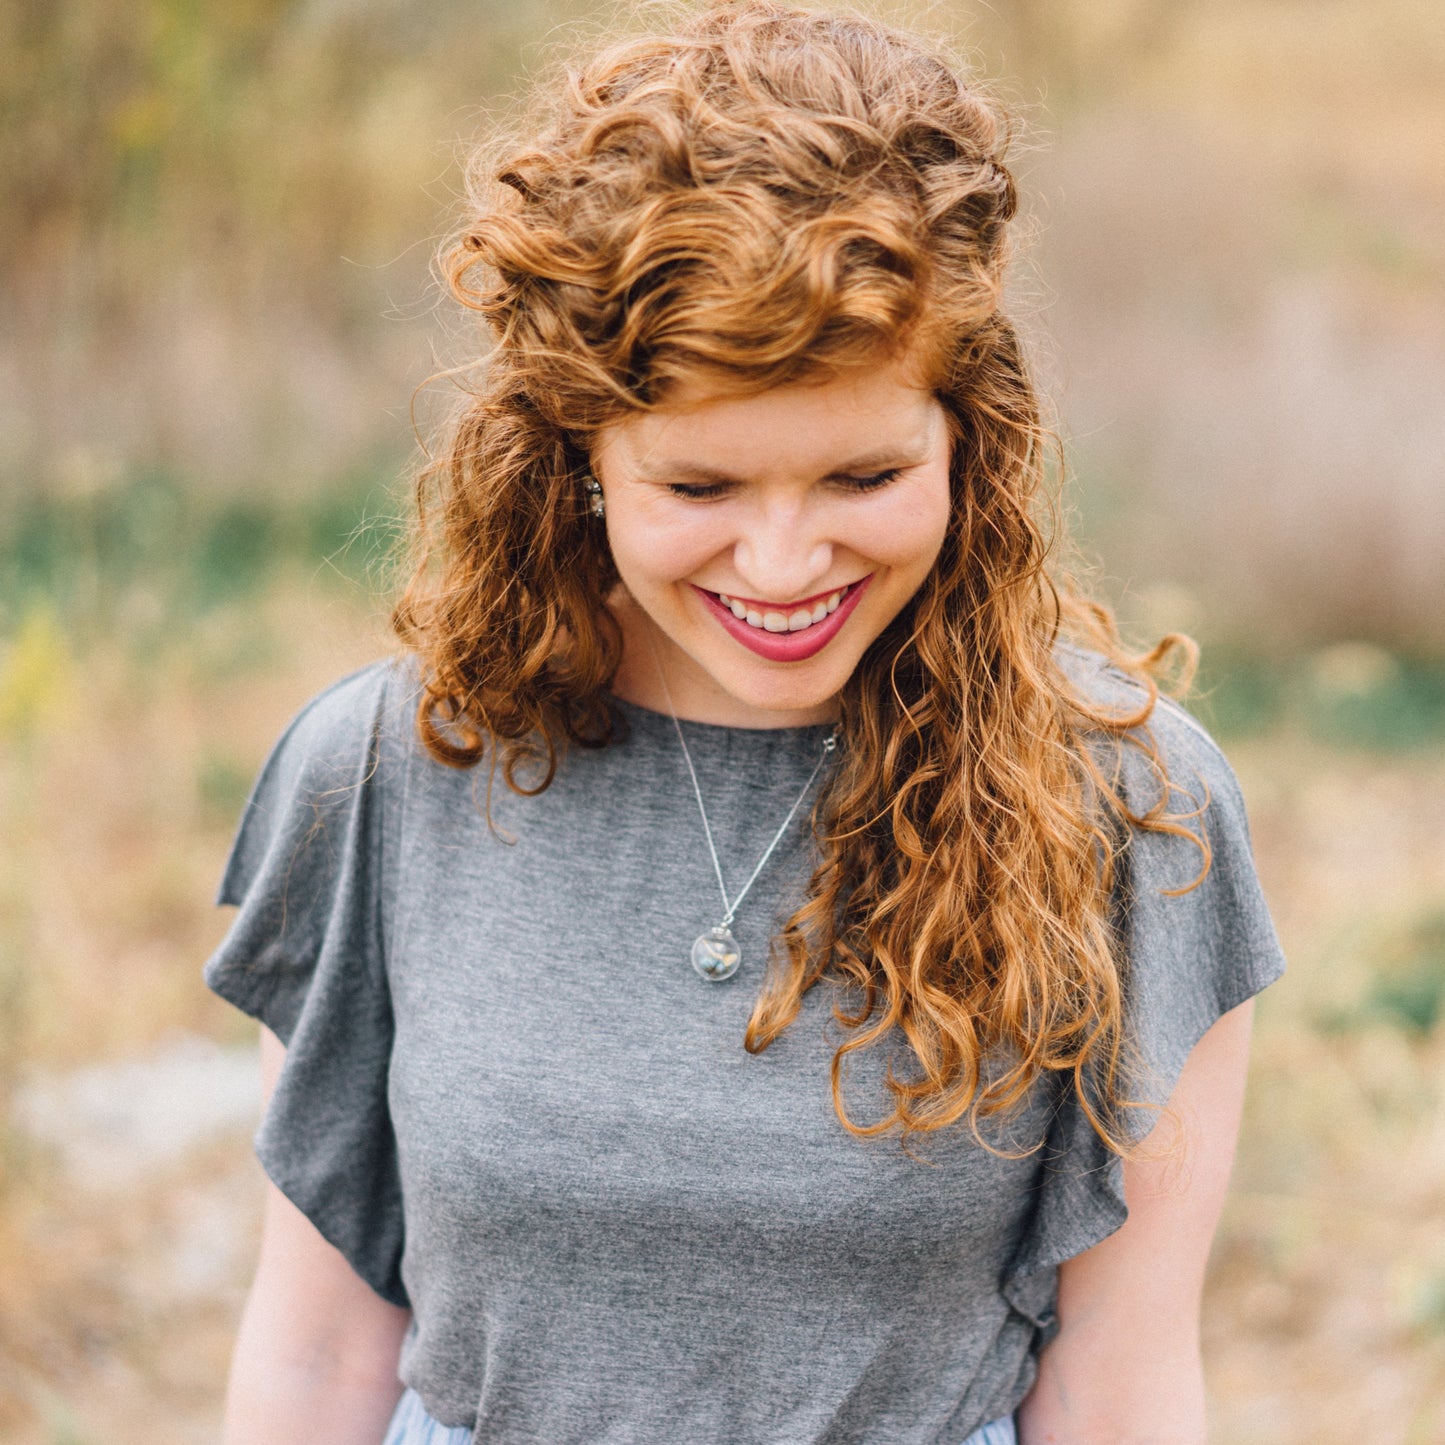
x=882, y=460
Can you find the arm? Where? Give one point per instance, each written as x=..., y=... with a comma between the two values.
x=316, y=1355
x=1125, y=1367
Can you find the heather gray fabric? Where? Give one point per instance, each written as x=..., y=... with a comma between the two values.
x=411, y=1425
x=511, y=1103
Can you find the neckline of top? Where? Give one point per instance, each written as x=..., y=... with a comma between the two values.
x=649, y=719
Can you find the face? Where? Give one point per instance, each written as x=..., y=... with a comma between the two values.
x=764, y=542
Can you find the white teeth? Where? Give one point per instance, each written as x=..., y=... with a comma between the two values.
x=775, y=621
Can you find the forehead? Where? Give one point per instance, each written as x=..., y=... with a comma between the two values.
x=860, y=416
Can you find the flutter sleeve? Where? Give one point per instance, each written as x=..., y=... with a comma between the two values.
x=306, y=955
x=1189, y=957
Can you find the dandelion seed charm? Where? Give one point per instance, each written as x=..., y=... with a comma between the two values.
x=715, y=954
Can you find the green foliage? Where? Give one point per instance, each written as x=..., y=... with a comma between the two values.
x=236, y=550
x=1350, y=695
x=1406, y=710
x=1239, y=694
x=1409, y=992
x=150, y=555
x=1406, y=987
x=223, y=785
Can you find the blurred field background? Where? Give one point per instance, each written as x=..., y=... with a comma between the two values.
x=215, y=228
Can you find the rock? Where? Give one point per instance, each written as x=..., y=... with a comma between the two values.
x=114, y=1123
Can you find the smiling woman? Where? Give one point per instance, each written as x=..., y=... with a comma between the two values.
x=729, y=582
x=757, y=589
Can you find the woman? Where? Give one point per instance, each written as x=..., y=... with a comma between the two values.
x=722, y=984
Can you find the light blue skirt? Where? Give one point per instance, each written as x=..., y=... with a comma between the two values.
x=411, y=1425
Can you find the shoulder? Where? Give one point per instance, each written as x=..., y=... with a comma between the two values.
x=1170, y=738
x=330, y=774
x=354, y=726
x=356, y=707
x=1194, y=917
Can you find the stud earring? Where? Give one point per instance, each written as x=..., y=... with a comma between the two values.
x=596, y=503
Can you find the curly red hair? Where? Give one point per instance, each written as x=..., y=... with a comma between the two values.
x=768, y=195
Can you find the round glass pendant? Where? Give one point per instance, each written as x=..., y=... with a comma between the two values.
x=715, y=954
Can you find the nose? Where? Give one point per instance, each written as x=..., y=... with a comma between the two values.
x=782, y=553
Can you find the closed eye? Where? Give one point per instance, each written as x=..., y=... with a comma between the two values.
x=698, y=491
x=707, y=491
x=870, y=483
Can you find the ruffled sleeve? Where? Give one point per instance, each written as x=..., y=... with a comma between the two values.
x=306, y=955
x=1189, y=958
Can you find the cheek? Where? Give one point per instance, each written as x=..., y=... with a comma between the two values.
x=909, y=534
x=656, y=550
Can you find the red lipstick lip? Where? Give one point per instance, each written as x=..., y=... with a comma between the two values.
x=786, y=646
x=762, y=606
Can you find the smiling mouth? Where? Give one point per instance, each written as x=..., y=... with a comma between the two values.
x=796, y=618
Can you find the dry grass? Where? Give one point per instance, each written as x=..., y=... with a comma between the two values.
x=1327, y=1294
x=119, y=783
x=1326, y=1319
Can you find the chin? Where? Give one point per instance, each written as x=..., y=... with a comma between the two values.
x=782, y=694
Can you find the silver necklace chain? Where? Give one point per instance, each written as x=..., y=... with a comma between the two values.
x=730, y=909
x=715, y=954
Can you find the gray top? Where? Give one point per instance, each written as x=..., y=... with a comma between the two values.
x=511, y=1103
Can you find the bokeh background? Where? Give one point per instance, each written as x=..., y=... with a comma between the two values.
x=215, y=229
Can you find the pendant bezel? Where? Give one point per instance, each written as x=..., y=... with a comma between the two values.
x=716, y=955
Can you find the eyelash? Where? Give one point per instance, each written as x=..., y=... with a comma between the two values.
x=874, y=483
x=708, y=491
